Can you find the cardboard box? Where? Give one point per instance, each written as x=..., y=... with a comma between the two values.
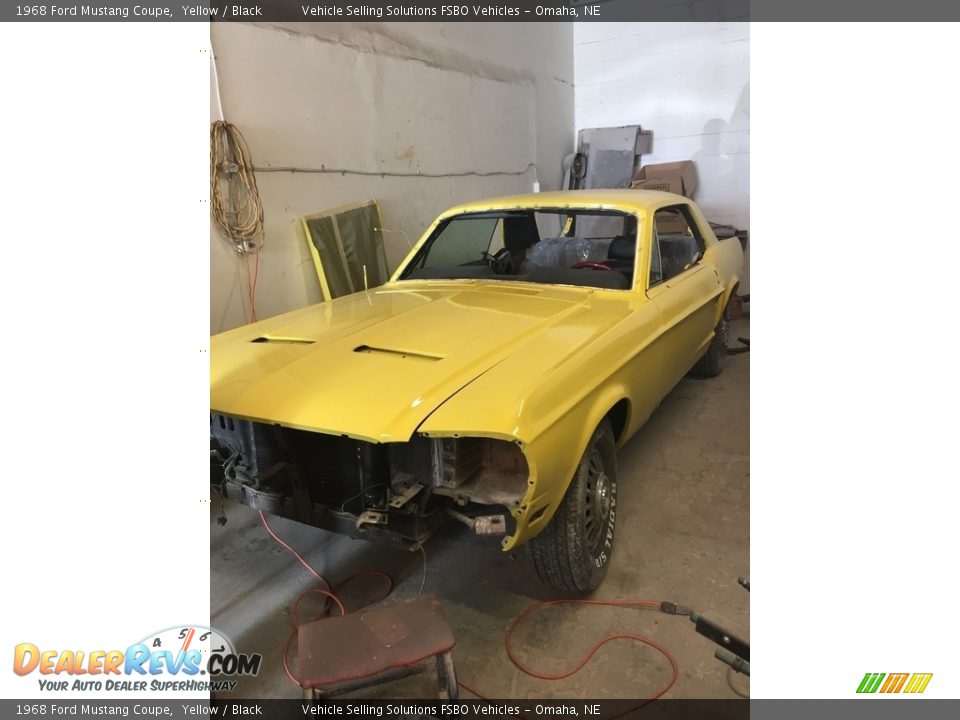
x=671, y=224
x=676, y=177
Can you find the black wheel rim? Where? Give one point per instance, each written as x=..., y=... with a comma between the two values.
x=597, y=501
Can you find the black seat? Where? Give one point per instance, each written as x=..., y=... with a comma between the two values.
x=520, y=233
x=621, y=256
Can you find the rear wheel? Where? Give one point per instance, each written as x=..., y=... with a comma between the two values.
x=715, y=358
x=573, y=551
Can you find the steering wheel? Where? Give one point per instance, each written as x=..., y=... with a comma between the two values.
x=588, y=265
x=501, y=263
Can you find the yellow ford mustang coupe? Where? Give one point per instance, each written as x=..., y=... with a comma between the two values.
x=490, y=381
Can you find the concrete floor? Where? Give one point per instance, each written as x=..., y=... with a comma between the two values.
x=682, y=535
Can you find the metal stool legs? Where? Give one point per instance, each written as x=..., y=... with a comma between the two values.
x=447, y=677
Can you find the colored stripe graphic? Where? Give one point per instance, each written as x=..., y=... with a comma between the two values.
x=918, y=682
x=894, y=682
x=870, y=682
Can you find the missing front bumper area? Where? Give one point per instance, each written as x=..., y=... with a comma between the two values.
x=396, y=493
x=481, y=524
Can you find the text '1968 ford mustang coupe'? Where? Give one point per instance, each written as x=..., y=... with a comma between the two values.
x=490, y=381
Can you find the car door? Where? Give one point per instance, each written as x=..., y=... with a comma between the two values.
x=685, y=287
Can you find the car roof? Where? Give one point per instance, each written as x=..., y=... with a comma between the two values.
x=622, y=199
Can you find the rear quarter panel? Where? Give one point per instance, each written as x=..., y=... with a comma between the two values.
x=725, y=255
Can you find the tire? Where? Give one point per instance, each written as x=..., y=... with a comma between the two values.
x=573, y=551
x=715, y=358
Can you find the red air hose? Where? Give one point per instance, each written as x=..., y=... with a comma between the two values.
x=331, y=594
x=652, y=604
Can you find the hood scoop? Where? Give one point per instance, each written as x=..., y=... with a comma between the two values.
x=283, y=340
x=403, y=354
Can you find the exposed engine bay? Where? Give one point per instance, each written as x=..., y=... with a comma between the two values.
x=395, y=493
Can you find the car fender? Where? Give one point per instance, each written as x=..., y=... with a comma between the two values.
x=552, y=462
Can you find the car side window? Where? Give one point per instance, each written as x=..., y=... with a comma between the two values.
x=678, y=243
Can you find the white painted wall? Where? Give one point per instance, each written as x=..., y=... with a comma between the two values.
x=401, y=97
x=687, y=82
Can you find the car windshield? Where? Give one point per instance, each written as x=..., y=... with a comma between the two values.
x=562, y=247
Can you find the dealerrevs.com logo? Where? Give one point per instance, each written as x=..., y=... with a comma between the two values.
x=911, y=683
x=183, y=659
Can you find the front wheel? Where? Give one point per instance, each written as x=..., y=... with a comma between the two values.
x=573, y=551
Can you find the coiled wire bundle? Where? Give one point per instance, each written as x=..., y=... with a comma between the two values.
x=234, y=197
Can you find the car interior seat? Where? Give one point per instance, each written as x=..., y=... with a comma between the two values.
x=520, y=233
x=621, y=255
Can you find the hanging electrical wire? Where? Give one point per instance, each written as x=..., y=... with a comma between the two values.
x=234, y=198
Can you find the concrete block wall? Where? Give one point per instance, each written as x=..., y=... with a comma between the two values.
x=474, y=103
x=687, y=82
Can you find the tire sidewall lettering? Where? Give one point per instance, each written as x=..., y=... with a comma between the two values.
x=602, y=556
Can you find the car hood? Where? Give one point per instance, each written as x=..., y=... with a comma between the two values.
x=376, y=364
